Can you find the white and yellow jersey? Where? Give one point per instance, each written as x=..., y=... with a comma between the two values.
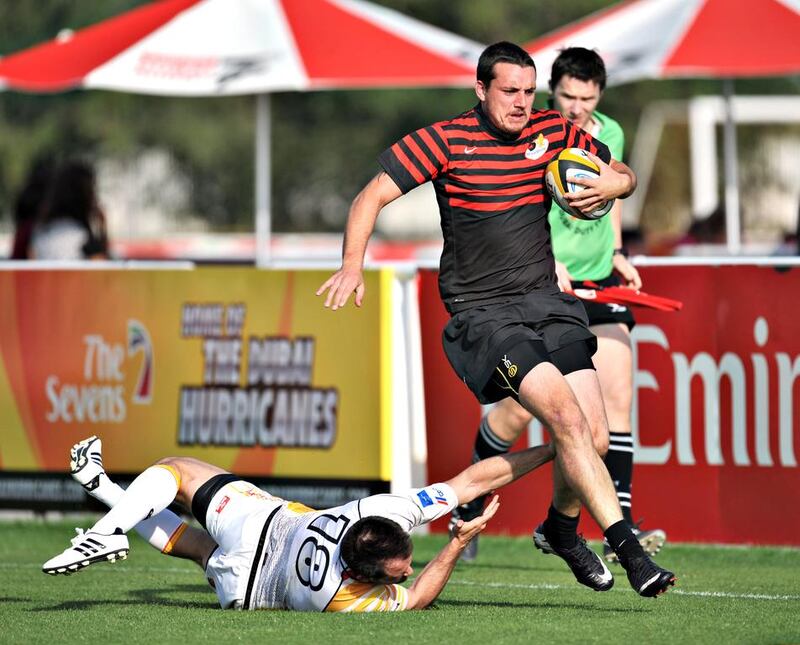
x=282, y=555
x=318, y=582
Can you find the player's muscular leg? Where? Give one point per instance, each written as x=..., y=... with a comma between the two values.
x=194, y=544
x=586, y=385
x=591, y=404
x=614, y=362
x=548, y=395
x=193, y=474
x=508, y=420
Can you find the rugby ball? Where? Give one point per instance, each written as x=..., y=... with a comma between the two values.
x=559, y=175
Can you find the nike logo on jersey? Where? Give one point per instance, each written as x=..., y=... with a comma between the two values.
x=469, y=151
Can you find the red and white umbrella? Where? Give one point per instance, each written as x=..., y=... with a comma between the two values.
x=227, y=47
x=641, y=39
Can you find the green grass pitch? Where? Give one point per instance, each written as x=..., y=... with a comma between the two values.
x=512, y=594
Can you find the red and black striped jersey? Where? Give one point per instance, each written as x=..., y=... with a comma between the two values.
x=492, y=200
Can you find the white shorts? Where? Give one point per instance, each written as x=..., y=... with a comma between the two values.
x=235, y=519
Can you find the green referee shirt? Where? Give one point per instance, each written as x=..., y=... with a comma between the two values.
x=587, y=247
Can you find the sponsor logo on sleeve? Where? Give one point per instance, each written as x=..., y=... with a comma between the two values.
x=424, y=499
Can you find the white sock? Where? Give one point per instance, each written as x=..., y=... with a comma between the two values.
x=106, y=491
x=149, y=494
x=161, y=531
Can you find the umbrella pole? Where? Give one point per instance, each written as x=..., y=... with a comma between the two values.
x=263, y=180
x=732, y=211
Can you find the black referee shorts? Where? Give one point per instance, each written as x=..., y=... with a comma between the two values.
x=603, y=313
x=514, y=336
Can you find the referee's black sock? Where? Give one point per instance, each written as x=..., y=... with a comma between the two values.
x=487, y=443
x=619, y=461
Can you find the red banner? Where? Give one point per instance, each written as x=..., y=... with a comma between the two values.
x=716, y=409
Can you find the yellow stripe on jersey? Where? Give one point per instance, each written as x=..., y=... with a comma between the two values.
x=300, y=509
x=365, y=596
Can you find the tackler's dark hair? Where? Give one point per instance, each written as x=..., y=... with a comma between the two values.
x=369, y=543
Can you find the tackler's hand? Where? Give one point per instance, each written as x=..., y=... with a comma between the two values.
x=464, y=532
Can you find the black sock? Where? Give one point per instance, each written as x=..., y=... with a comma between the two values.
x=562, y=529
x=619, y=461
x=623, y=541
x=487, y=444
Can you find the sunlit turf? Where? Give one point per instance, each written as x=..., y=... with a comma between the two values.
x=512, y=594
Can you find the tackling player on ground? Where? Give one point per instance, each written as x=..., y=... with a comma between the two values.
x=584, y=250
x=262, y=552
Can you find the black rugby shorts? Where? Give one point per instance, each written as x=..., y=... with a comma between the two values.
x=475, y=340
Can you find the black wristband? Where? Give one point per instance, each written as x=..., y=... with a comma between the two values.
x=621, y=251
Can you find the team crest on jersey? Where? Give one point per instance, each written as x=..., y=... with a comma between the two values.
x=537, y=149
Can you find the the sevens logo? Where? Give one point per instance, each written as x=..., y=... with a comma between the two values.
x=139, y=341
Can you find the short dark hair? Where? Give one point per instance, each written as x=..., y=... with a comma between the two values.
x=581, y=63
x=502, y=52
x=370, y=542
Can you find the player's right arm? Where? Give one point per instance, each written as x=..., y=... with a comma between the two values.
x=417, y=158
x=364, y=596
x=490, y=474
x=432, y=579
x=379, y=192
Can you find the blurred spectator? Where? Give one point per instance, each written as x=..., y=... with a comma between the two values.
x=72, y=226
x=710, y=230
x=28, y=205
x=706, y=236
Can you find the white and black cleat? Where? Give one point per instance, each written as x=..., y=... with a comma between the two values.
x=86, y=462
x=88, y=548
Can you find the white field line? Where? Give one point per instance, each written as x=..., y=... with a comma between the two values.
x=470, y=583
x=679, y=592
